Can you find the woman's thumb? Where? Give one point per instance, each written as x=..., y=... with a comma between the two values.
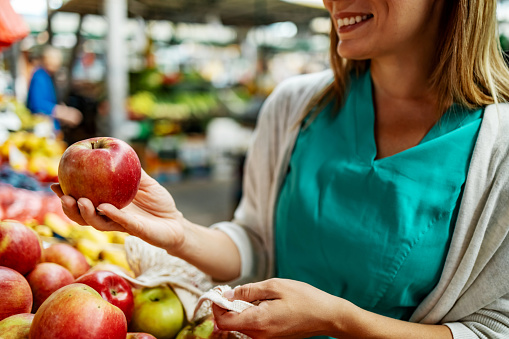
x=251, y=292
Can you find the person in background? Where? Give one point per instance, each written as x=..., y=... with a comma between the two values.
x=42, y=96
x=375, y=198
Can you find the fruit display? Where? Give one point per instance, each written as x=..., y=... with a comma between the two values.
x=60, y=297
x=27, y=152
x=177, y=106
x=69, y=299
x=172, y=103
x=105, y=170
x=27, y=120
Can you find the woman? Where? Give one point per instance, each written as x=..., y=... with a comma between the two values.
x=356, y=193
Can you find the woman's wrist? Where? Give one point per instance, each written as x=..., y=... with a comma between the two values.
x=184, y=243
x=352, y=322
x=210, y=250
x=339, y=317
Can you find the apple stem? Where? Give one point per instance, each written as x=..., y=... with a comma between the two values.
x=93, y=145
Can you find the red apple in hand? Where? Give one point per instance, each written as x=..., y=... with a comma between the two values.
x=16, y=326
x=104, y=170
x=15, y=293
x=19, y=247
x=112, y=288
x=46, y=278
x=77, y=311
x=67, y=256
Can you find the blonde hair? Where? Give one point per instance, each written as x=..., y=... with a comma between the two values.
x=470, y=69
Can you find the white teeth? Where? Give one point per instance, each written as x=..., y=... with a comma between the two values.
x=351, y=21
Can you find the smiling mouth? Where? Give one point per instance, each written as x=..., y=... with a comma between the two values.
x=353, y=20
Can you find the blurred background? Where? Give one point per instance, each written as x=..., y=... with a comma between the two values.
x=181, y=80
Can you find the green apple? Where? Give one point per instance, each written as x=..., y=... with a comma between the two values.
x=158, y=311
x=200, y=331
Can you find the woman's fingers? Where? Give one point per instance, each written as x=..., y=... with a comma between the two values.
x=263, y=290
x=70, y=208
x=90, y=216
x=125, y=220
x=226, y=320
x=57, y=190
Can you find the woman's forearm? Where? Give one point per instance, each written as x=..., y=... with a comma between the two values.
x=210, y=250
x=358, y=323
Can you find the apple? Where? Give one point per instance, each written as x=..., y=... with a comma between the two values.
x=204, y=330
x=78, y=311
x=104, y=170
x=46, y=278
x=67, y=256
x=158, y=311
x=139, y=335
x=19, y=247
x=112, y=288
x=15, y=294
x=16, y=326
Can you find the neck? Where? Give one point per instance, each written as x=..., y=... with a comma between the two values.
x=403, y=78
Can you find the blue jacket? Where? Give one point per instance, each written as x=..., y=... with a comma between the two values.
x=42, y=96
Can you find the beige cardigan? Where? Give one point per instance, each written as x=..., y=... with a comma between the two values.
x=472, y=296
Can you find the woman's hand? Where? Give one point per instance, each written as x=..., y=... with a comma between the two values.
x=151, y=216
x=287, y=308
x=292, y=309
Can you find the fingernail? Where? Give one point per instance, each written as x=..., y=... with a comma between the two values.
x=80, y=205
x=100, y=212
x=229, y=294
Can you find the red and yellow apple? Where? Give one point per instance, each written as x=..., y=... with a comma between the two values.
x=139, y=335
x=77, y=311
x=158, y=311
x=46, y=278
x=104, y=170
x=113, y=288
x=16, y=326
x=19, y=247
x=15, y=293
x=67, y=256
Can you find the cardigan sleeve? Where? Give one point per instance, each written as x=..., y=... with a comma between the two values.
x=490, y=322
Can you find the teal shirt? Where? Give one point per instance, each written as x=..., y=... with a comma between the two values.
x=373, y=231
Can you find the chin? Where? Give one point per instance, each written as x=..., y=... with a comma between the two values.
x=349, y=51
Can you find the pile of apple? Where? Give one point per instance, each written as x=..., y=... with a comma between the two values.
x=53, y=293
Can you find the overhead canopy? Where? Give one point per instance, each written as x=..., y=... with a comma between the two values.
x=229, y=12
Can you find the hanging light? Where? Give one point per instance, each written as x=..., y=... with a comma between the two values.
x=308, y=3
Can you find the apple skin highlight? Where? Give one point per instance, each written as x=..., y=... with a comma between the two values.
x=104, y=170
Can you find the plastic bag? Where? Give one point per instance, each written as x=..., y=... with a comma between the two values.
x=12, y=26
